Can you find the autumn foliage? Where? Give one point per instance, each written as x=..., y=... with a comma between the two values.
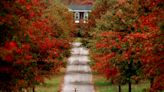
x=33, y=42
x=128, y=41
x=78, y=2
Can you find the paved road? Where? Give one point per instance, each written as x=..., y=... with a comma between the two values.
x=78, y=77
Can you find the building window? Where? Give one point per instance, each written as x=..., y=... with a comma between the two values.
x=86, y=16
x=76, y=15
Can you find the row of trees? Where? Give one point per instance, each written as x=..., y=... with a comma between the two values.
x=34, y=39
x=127, y=41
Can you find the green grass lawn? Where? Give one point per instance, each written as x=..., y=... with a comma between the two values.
x=78, y=39
x=101, y=85
x=51, y=85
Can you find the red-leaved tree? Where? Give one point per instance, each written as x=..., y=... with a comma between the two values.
x=32, y=45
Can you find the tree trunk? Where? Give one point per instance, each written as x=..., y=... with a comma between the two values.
x=130, y=88
x=130, y=75
x=33, y=89
x=119, y=88
x=151, y=82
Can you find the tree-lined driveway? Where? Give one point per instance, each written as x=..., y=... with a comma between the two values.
x=78, y=77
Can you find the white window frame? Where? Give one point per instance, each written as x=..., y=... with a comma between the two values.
x=77, y=15
x=85, y=15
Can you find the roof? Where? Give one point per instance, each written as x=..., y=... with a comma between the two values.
x=80, y=7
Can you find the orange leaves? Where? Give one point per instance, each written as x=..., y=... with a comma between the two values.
x=35, y=2
x=26, y=46
x=39, y=79
x=28, y=57
x=87, y=2
x=120, y=37
x=103, y=65
x=126, y=55
x=101, y=45
x=138, y=35
x=11, y=45
x=30, y=42
x=21, y=1
x=28, y=7
x=108, y=56
x=121, y=1
x=149, y=22
x=159, y=83
x=32, y=14
x=19, y=51
x=21, y=82
x=152, y=3
x=39, y=24
x=9, y=58
x=131, y=41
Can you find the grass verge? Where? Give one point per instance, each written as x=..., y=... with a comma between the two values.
x=53, y=84
x=102, y=85
x=78, y=39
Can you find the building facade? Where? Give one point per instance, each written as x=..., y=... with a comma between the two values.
x=81, y=12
